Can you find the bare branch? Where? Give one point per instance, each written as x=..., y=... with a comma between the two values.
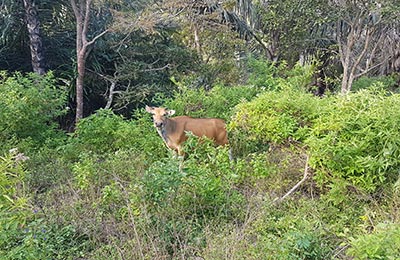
x=111, y=91
x=74, y=8
x=339, y=41
x=362, y=54
x=371, y=68
x=86, y=21
x=110, y=95
x=278, y=200
x=157, y=69
x=97, y=37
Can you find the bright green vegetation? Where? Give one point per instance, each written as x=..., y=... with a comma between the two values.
x=111, y=190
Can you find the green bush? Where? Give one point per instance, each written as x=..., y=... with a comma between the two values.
x=95, y=173
x=387, y=83
x=14, y=196
x=352, y=138
x=101, y=199
x=183, y=197
x=217, y=102
x=28, y=107
x=292, y=231
x=382, y=243
x=357, y=139
x=23, y=232
x=277, y=77
x=276, y=116
x=48, y=168
x=281, y=114
x=39, y=240
x=101, y=132
x=291, y=236
x=265, y=74
x=203, y=179
x=300, y=77
x=105, y=132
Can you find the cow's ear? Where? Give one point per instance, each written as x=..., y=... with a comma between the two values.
x=149, y=109
x=171, y=112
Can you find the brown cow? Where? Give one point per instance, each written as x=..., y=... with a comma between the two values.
x=173, y=130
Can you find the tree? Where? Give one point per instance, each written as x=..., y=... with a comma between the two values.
x=362, y=28
x=206, y=28
x=21, y=36
x=281, y=29
x=82, y=15
x=33, y=25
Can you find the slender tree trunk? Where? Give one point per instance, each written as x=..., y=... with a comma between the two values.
x=345, y=82
x=273, y=52
x=396, y=61
x=33, y=25
x=197, y=39
x=81, y=62
x=82, y=16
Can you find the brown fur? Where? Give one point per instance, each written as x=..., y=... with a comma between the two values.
x=173, y=130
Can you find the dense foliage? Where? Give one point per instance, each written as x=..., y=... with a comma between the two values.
x=202, y=43
x=28, y=108
x=111, y=190
x=315, y=174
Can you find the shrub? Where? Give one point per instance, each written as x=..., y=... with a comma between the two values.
x=41, y=240
x=277, y=77
x=203, y=179
x=105, y=132
x=387, y=83
x=47, y=168
x=271, y=232
x=285, y=112
x=101, y=132
x=273, y=117
x=217, y=102
x=357, y=139
x=383, y=243
x=28, y=107
x=265, y=74
x=14, y=198
x=352, y=138
x=183, y=197
x=24, y=232
x=102, y=197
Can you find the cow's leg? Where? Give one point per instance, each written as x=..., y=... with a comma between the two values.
x=180, y=151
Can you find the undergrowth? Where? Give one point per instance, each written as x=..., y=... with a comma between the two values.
x=112, y=190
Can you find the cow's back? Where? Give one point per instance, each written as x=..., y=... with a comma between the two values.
x=212, y=128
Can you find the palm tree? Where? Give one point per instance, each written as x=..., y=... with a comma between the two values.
x=35, y=37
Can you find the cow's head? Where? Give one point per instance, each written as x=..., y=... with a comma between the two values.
x=160, y=115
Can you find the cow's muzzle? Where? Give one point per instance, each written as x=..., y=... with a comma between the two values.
x=159, y=124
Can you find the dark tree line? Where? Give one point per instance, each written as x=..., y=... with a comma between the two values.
x=118, y=54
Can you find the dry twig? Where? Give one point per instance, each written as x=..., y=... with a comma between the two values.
x=278, y=200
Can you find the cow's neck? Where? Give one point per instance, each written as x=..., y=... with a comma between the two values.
x=165, y=129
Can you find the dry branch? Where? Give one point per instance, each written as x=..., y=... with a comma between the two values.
x=306, y=173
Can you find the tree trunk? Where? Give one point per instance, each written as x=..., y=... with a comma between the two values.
x=79, y=11
x=81, y=62
x=347, y=82
x=82, y=16
x=197, y=40
x=33, y=25
x=345, y=79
